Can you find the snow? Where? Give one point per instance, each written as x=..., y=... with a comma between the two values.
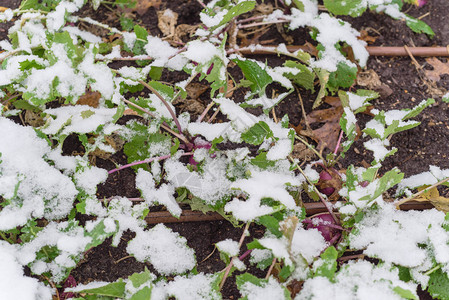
x=228, y=246
x=162, y=195
x=261, y=184
x=78, y=119
x=164, y=249
x=23, y=168
x=13, y=283
x=267, y=291
x=307, y=244
x=397, y=236
x=163, y=54
x=379, y=148
x=357, y=280
x=194, y=287
x=201, y=51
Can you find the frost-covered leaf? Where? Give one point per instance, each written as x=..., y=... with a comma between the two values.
x=354, y=8
x=114, y=289
x=257, y=133
x=438, y=283
x=241, y=8
x=250, y=286
x=327, y=265
x=344, y=77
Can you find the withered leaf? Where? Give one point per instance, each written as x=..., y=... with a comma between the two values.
x=143, y=5
x=439, y=68
x=195, y=89
x=167, y=20
x=89, y=98
x=433, y=196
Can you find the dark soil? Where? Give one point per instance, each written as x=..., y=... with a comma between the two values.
x=417, y=148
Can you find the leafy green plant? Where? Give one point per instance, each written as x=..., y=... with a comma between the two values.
x=241, y=167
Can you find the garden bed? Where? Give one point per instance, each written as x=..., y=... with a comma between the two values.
x=402, y=82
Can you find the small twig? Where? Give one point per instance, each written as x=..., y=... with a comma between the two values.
x=421, y=192
x=417, y=65
x=349, y=257
x=231, y=263
x=213, y=116
x=271, y=268
x=121, y=259
x=207, y=257
x=200, y=118
x=424, y=15
x=262, y=23
x=53, y=285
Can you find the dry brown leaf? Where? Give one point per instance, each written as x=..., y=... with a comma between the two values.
x=89, y=98
x=439, y=68
x=34, y=119
x=2, y=8
x=143, y=5
x=229, y=89
x=433, y=196
x=364, y=36
x=264, y=9
x=130, y=112
x=371, y=80
x=167, y=20
x=195, y=89
x=302, y=152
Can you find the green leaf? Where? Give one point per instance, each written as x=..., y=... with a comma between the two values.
x=241, y=8
x=28, y=4
x=240, y=280
x=143, y=294
x=344, y=77
x=271, y=223
x=165, y=90
x=126, y=23
x=305, y=77
x=418, y=109
x=419, y=26
x=353, y=8
x=390, y=179
x=257, y=133
x=86, y=114
x=438, y=285
x=404, y=274
x=114, y=289
x=405, y=294
x=262, y=162
x=97, y=234
x=328, y=264
x=138, y=279
x=254, y=73
x=156, y=73
x=323, y=77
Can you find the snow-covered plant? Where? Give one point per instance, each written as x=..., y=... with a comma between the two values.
x=241, y=167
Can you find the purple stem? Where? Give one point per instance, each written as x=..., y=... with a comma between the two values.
x=338, y=143
x=244, y=255
x=145, y=161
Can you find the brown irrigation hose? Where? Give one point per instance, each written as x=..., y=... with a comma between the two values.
x=197, y=216
x=372, y=50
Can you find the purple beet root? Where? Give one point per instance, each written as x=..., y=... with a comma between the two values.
x=70, y=282
x=321, y=223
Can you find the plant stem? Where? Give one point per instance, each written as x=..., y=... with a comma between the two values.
x=172, y=113
x=432, y=270
x=271, y=268
x=163, y=125
x=421, y=192
x=326, y=204
x=231, y=263
x=145, y=161
x=262, y=24
x=338, y=142
x=244, y=255
x=308, y=221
